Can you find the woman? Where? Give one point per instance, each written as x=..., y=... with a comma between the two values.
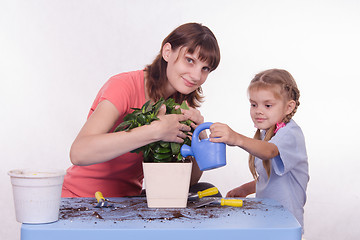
x=102, y=159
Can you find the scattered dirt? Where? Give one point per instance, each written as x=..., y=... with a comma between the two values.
x=136, y=209
x=97, y=215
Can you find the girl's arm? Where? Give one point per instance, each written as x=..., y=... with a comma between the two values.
x=262, y=149
x=94, y=144
x=243, y=191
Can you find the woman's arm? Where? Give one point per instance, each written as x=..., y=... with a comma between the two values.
x=94, y=144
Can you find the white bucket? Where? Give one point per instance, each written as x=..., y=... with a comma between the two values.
x=37, y=194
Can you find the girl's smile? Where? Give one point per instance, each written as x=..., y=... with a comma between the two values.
x=259, y=120
x=267, y=108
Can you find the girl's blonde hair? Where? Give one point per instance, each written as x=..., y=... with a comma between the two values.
x=289, y=91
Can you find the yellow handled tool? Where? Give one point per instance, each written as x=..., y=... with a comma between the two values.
x=208, y=192
x=232, y=202
x=102, y=202
x=204, y=193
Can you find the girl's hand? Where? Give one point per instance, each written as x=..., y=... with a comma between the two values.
x=223, y=133
x=243, y=191
x=237, y=192
x=169, y=128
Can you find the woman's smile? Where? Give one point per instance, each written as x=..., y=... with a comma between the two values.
x=188, y=83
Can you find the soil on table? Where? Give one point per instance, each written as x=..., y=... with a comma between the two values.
x=125, y=209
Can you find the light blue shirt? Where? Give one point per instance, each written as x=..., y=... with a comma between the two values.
x=289, y=172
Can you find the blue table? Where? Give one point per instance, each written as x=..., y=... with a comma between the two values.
x=132, y=219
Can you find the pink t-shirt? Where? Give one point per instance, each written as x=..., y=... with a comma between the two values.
x=121, y=176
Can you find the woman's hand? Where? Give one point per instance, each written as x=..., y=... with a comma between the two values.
x=195, y=116
x=169, y=128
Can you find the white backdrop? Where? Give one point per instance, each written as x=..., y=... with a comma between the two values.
x=55, y=56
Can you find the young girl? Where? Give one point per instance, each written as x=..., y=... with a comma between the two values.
x=278, y=159
x=102, y=159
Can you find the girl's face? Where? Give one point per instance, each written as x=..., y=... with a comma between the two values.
x=185, y=71
x=267, y=109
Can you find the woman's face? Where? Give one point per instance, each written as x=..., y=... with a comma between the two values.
x=185, y=71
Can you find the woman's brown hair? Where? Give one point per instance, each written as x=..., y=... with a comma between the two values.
x=192, y=36
x=289, y=91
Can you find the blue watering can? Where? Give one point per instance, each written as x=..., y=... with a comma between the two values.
x=208, y=155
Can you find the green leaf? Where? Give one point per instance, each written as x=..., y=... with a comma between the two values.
x=159, y=149
x=164, y=144
x=146, y=152
x=141, y=119
x=130, y=116
x=122, y=126
x=162, y=156
x=157, y=106
x=175, y=148
x=138, y=150
x=153, y=145
x=187, y=141
x=175, y=111
x=145, y=106
x=179, y=157
x=170, y=103
x=184, y=105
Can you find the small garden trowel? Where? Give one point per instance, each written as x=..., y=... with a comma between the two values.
x=204, y=193
x=102, y=202
x=220, y=202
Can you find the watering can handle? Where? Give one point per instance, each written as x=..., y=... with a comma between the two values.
x=187, y=150
x=201, y=127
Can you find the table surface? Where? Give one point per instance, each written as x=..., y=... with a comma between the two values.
x=130, y=218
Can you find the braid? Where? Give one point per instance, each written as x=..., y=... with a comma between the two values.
x=266, y=162
x=294, y=94
x=252, y=158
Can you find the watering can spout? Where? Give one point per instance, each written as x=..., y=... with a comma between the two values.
x=186, y=151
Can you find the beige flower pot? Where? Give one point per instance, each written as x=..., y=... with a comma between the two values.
x=167, y=184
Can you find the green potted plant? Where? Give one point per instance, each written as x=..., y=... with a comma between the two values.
x=158, y=151
x=166, y=180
